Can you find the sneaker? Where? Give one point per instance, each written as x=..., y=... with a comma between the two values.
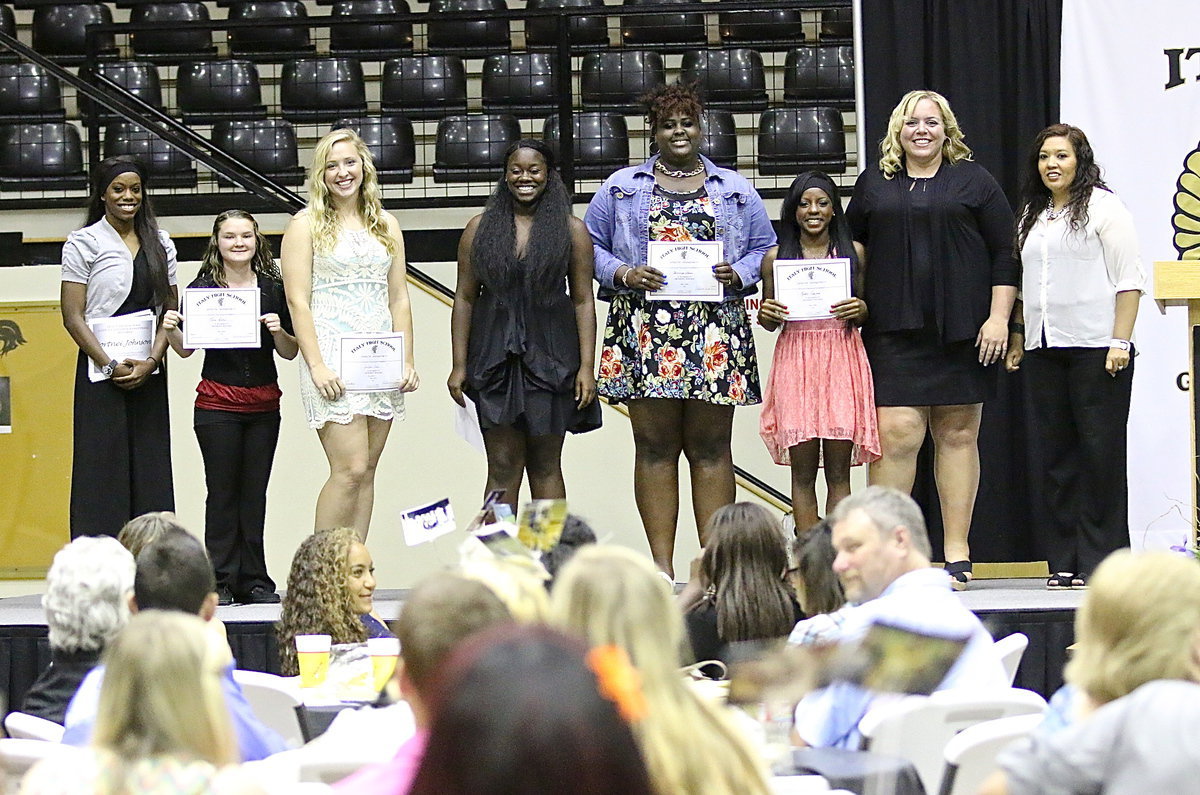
x=224, y=596
x=260, y=595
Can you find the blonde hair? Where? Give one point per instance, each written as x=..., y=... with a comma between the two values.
x=611, y=595
x=891, y=153
x=519, y=582
x=162, y=693
x=1139, y=621
x=141, y=531
x=321, y=212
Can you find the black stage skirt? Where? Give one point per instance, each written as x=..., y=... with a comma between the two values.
x=914, y=368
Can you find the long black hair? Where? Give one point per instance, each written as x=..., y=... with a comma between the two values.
x=145, y=224
x=1035, y=196
x=790, y=233
x=493, y=254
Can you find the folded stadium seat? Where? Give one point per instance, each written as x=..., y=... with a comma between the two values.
x=820, y=75
x=40, y=156
x=60, y=31
x=837, y=25
x=719, y=143
x=174, y=37
x=471, y=148
x=271, y=42
x=166, y=166
x=585, y=33
x=669, y=32
x=376, y=40
x=267, y=146
x=322, y=89
x=727, y=79
x=424, y=86
x=8, y=24
x=614, y=80
x=791, y=140
x=139, y=78
x=474, y=37
x=209, y=91
x=390, y=139
x=28, y=92
x=601, y=142
x=776, y=29
x=523, y=84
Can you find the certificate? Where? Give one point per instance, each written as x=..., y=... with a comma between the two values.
x=123, y=337
x=808, y=287
x=221, y=317
x=688, y=267
x=372, y=362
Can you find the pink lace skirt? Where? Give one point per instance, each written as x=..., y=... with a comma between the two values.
x=820, y=388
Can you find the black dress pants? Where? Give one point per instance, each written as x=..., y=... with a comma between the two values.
x=238, y=449
x=1080, y=415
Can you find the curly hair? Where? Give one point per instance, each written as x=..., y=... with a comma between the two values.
x=317, y=601
x=87, y=594
x=662, y=100
x=1035, y=196
x=321, y=212
x=891, y=153
x=212, y=267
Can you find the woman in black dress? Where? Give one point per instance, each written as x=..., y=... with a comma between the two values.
x=523, y=327
x=941, y=282
x=119, y=264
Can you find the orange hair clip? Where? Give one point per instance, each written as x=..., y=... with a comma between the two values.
x=618, y=681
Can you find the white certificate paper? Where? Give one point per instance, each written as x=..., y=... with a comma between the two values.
x=372, y=362
x=221, y=317
x=689, y=270
x=123, y=337
x=808, y=287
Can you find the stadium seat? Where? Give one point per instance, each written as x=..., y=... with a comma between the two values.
x=727, y=79
x=614, y=80
x=819, y=75
x=60, y=31
x=209, y=91
x=837, y=25
x=477, y=37
x=322, y=89
x=471, y=148
x=40, y=156
x=390, y=139
x=139, y=78
x=270, y=42
x=601, y=142
x=174, y=37
x=370, y=39
x=776, y=29
x=165, y=165
x=523, y=84
x=267, y=146
x=27, y=91
x=797, y=139
x=584, y=32
x=424, y=86
x=665, y=31
x=719, y=141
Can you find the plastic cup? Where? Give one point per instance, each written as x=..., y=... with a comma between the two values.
x=312, y=653
x=384, y=652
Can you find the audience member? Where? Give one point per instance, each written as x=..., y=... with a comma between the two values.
x=817, y=586
x=612, y=596
x=883, y=562
x=142, y=530
x=520, y=582
x=162, y=724
x=87, y=603
x=576, y=534
x=518, y=710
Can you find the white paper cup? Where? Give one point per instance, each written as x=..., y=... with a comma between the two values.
x=312, y=656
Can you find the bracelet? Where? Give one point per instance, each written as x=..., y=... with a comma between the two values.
x=1122, y=344
x=625, y=277
x=151, y=358
x=1016, y=328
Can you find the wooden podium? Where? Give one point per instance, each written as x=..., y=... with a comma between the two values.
x=1178, y=284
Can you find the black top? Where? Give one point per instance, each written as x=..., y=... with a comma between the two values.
x=50, y=694
x=935, y=248
x=706, y=641
x=141, y=289
x=247, y=367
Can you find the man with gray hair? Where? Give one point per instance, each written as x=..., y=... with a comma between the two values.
x=87, y=603
x=883, y=563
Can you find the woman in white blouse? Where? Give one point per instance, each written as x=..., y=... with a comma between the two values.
x=1072, y=329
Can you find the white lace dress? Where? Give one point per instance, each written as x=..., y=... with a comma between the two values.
x=349, y=294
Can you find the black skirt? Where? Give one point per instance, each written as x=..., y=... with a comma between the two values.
x=914, y=368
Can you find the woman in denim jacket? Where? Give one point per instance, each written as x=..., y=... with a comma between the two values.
x=681, y=365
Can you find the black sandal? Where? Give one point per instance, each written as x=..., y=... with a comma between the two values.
x=1060, y=581
x=960, y=574
x=1079, y=582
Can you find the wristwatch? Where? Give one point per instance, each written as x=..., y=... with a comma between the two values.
x=109, y=368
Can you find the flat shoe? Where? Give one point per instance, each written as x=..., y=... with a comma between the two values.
x=1060, y=581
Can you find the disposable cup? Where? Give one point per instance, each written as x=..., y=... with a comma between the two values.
x=312, y=653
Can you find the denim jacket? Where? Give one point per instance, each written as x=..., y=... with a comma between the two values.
x=618, y=220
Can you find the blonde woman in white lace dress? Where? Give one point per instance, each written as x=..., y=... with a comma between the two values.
x=344, y=272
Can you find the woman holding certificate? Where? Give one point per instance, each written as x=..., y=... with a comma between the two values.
x=819, y=406
x=678, y=242
x=344, y=277
x=118, y=277
x=942, y=279
x=237, y=402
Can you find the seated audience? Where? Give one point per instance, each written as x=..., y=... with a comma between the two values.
x=87, y=603
x=438, y=614
x=575, y=535
x=162, y=724
x=517, y=709
x=520, y=582
x=817, y=586
x=143, y=530
x=173, y=574
x=330, y=591
x=611, y=596
x=745, y=597
x=883, y=562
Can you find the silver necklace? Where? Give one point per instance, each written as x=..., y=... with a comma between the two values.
x=1053, y=214
x=677, y=174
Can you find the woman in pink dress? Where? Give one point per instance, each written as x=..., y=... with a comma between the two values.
x=819, y=402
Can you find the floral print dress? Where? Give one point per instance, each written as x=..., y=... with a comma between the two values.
x=682, y=350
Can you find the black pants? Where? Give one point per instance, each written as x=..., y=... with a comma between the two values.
x=1080, y=414
x=238, y=450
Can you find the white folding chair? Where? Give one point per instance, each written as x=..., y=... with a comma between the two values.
x=971, y=754
x=1010, y=649
x=917, y=728
x=24, y=726
x=329, y=770
x=18, y=755
x=274, y=700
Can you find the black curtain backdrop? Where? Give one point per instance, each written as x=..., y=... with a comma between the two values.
x=997, y=62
